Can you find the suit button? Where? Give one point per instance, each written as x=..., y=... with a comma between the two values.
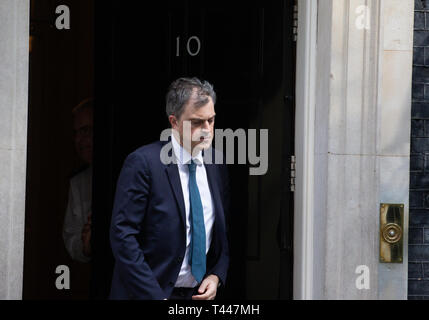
x=179, y=259
x=171, y=283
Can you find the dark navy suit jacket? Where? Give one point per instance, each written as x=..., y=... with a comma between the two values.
x=148, y=231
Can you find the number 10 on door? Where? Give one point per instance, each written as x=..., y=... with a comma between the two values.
x=192, y=52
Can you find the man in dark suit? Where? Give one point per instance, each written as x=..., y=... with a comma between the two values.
x=168, y=229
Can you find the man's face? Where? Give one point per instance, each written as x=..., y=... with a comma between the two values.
x=201, y=121
x=83, y=125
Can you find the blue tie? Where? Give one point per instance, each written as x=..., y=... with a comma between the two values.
x=197, y=256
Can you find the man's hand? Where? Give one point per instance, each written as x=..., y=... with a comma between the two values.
x=208, y=288
x=86, y=237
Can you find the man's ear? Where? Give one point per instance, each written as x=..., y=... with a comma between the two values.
x=173, y=122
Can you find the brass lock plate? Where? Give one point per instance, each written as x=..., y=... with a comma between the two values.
x=391, y=233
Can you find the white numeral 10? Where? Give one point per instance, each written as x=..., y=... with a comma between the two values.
x=188, y=46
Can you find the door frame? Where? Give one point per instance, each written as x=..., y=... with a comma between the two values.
x=304, y=150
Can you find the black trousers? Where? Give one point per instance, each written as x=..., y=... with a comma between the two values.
x=183, y=293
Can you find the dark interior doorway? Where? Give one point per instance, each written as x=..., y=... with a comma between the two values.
x=61, y=74
x=247, y=50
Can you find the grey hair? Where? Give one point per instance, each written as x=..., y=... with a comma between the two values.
x=181, y=90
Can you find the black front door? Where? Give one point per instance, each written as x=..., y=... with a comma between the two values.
x=247, y=52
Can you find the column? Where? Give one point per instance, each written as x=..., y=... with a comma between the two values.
x=14, y=40
x=361, y=143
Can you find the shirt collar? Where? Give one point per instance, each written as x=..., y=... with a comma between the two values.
x=183, y=156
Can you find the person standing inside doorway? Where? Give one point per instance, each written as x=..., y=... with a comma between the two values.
x=77, y=221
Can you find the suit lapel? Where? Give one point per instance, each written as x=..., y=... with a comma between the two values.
x=174, y=178
x=172, y=171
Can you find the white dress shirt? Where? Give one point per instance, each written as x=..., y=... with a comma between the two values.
x=78, y=209
x=183, y=157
